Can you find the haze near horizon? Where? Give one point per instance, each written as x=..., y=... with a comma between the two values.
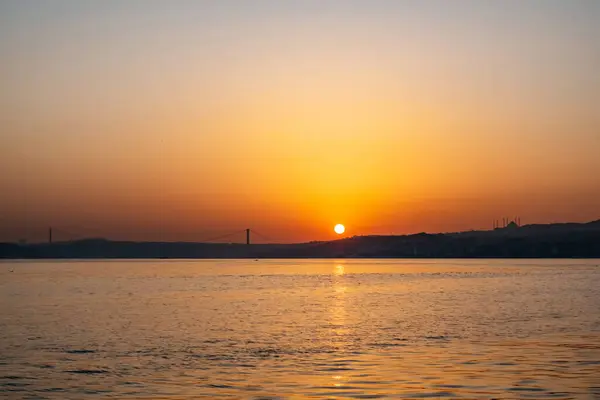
x=181, y=120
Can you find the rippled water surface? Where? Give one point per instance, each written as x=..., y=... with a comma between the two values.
x=300, y=329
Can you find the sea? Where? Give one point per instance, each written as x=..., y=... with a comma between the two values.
x=295, y=329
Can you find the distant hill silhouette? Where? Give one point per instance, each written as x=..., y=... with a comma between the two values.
x=565, y=240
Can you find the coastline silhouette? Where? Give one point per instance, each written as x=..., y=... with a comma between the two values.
x=566, y=240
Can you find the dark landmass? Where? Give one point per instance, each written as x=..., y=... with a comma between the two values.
x=569, y=240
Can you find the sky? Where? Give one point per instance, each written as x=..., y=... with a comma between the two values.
x=185, y=120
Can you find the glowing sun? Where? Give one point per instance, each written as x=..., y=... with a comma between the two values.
x=339, y=229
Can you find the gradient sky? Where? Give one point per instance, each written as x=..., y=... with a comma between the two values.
x=180, y=120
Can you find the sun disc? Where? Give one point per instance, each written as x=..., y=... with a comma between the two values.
x=339, y=229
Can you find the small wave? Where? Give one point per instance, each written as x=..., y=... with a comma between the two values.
x=387, y=344
x=53, y=389
x=83, y=351
x=441, y=337
x=352, y=395
x=14, y=384
x=218, y=386
x=336, y=369
x=427, y=395
x=373, y=382
x=590, y=362
x=87, y=371
x=525, y=389
x=339, y=388
x=445, y=386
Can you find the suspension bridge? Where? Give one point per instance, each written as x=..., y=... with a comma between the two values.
x=247, y=236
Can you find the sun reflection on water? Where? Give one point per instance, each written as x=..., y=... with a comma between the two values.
x=338, y=308
x=338, y=381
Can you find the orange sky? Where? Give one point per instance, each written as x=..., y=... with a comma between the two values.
x=186, y=120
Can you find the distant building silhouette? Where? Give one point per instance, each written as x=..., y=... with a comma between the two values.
x=507, y=223
x=511, y=225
